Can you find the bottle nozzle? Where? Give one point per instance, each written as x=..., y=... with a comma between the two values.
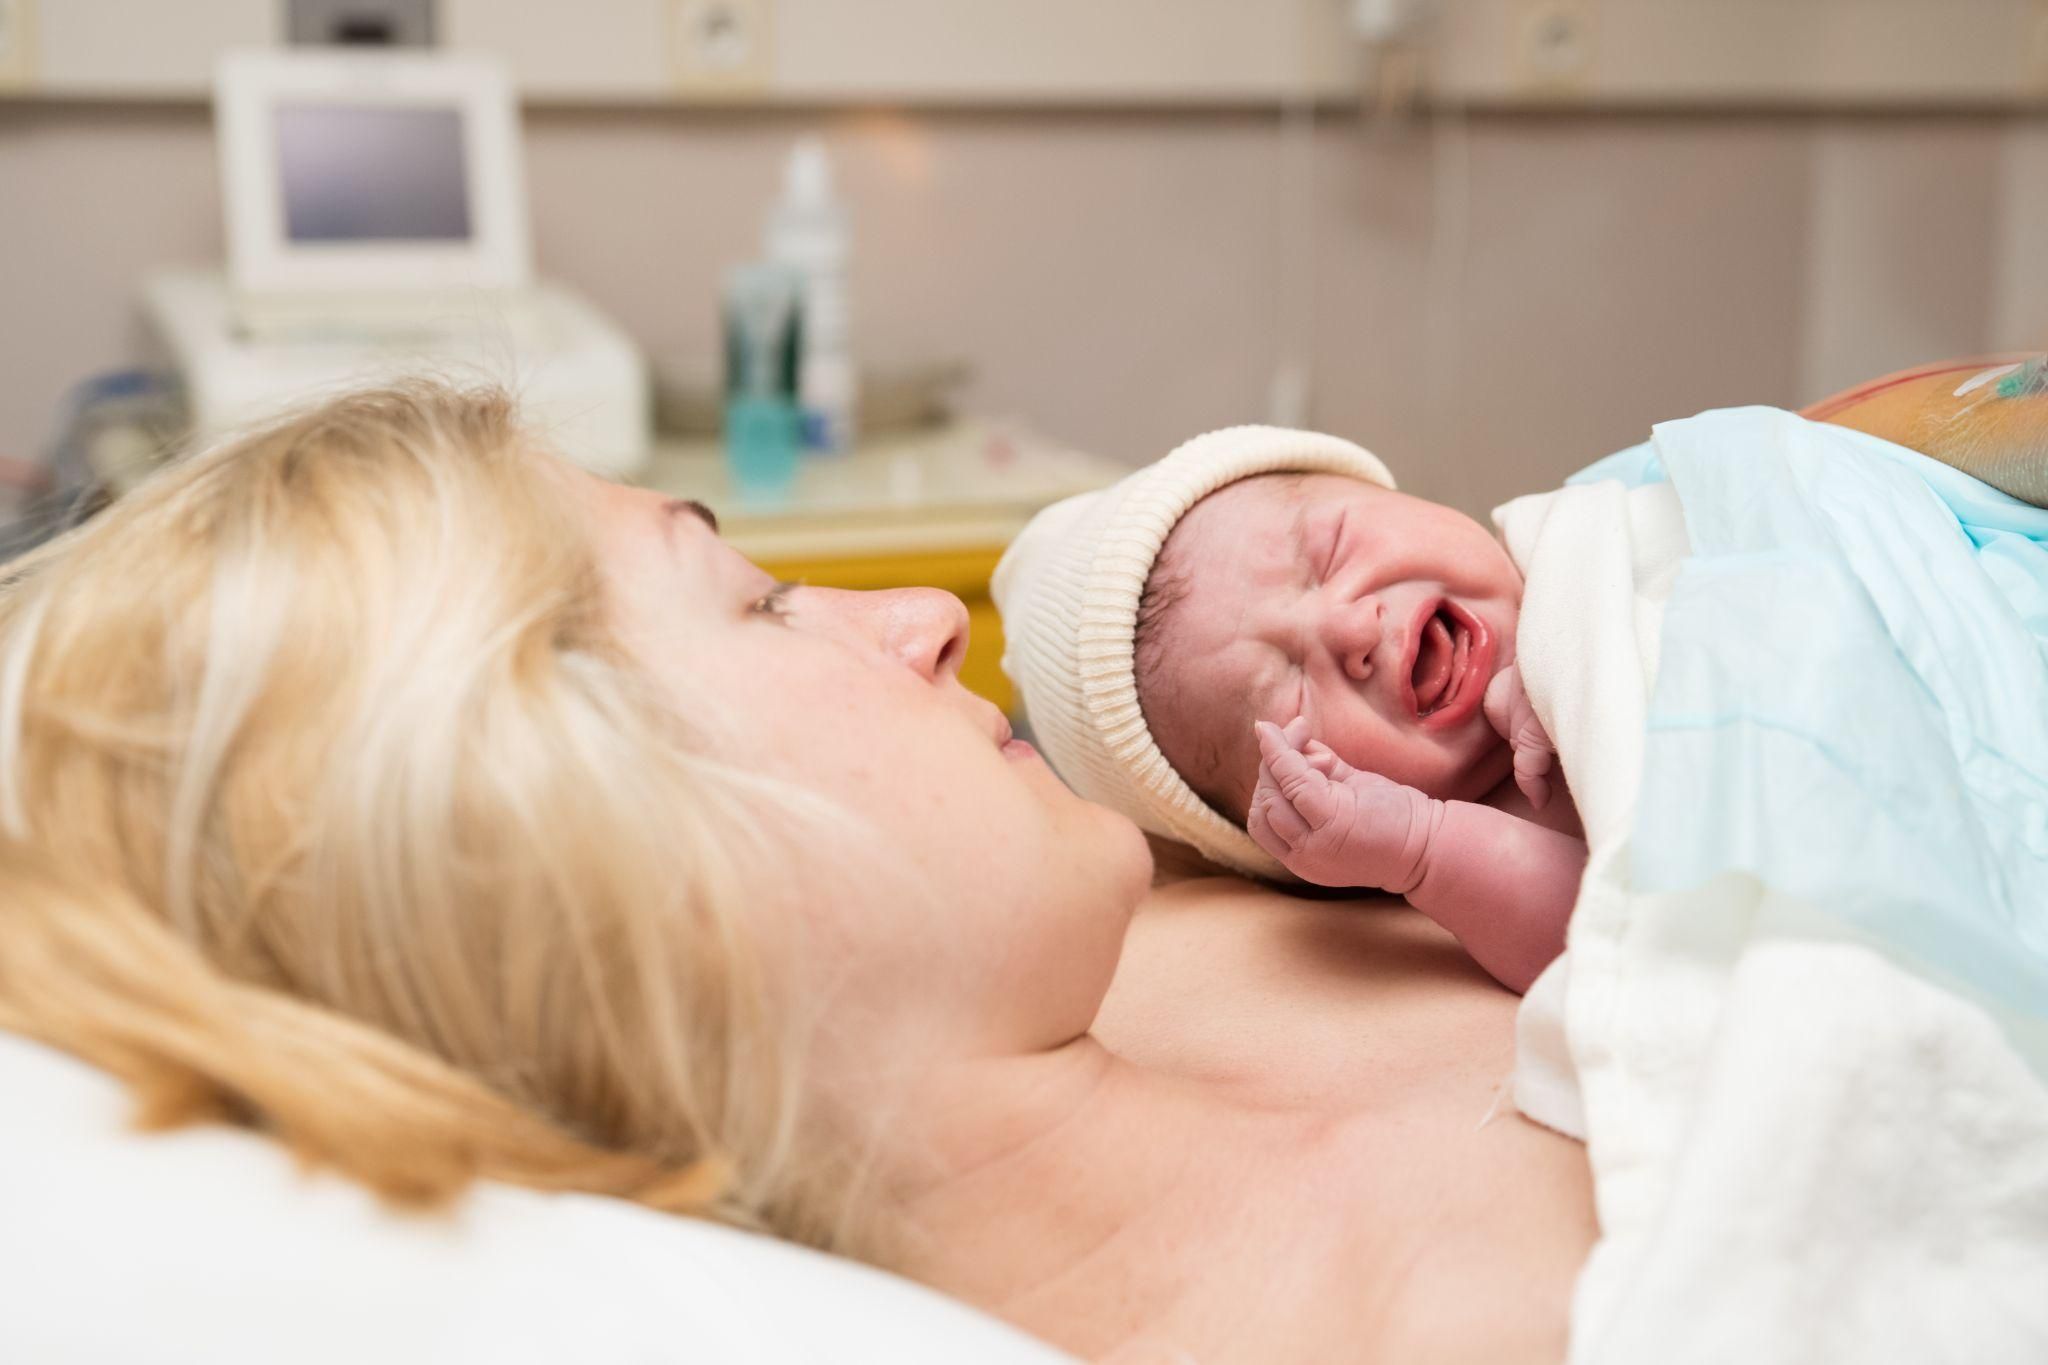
x=808, y=178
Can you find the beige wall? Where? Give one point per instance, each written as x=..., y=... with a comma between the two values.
x=1495, y=299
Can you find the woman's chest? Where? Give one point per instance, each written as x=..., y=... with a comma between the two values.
x=1335, y=1006
x=1376, y=1185
x=1401, y=1233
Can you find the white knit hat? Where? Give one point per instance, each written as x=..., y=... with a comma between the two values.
x=1068, y=589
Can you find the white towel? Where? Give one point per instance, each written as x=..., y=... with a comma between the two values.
x=1801, y=1153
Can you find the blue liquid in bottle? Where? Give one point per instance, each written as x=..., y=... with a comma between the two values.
x=763, y=420
x=763, y=442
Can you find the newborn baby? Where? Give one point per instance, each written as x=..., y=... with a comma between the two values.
x=1329, y=663
x=1257, y=647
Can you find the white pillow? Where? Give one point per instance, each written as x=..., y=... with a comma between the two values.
x=210, y=1244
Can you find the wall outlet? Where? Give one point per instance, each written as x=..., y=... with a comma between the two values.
x=1553, y=44
x=365, y=23
x=17, y=44
x=720, y=46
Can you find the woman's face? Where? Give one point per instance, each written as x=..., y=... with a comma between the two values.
x=1004, y=928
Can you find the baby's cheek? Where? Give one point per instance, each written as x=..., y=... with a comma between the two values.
x=1451, y=769
x=1507, y=619
x=1492, y=761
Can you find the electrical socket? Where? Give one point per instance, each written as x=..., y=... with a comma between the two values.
x=17, y=43
x=720, y=47
x=1553, y=44
x=370, y=23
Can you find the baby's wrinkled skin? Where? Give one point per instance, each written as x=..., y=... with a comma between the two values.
x=1331, y=664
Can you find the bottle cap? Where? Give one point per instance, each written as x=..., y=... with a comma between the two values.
x=808, y=178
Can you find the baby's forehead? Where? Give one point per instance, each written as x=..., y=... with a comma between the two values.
x=1242, y=501
x=1240, y=533
x=1263, y=508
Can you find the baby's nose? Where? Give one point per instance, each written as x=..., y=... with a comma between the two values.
x=1353, y=632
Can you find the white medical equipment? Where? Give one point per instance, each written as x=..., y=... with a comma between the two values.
x=376, y=217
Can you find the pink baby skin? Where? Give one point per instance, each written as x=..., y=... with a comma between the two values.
x=1331, y=664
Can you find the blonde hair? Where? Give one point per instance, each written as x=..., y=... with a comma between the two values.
x=330, y=805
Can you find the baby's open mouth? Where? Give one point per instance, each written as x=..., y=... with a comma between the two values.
x=1440, y=661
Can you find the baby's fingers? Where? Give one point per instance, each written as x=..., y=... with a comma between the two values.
x=1311, y=795
x=1275, y=825
x=1272, y=742
x=1532, y=773
x=1499, y=701
x=1326, y=762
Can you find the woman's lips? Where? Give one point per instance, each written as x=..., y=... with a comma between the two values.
x=1011, y=746
x=1450, y=659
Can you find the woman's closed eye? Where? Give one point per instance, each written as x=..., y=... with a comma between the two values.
x=774, y=602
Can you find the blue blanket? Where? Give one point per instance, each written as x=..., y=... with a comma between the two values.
x=1851, y=701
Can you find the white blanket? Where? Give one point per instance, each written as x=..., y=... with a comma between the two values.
x=1801, y=1152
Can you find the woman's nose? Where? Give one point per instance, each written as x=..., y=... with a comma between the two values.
x=1352, y=632
x=923, y=628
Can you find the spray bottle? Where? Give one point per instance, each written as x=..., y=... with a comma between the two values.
x=807, y=233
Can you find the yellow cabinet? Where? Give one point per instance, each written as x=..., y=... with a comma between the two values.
x=931, y=508
x=964, y=573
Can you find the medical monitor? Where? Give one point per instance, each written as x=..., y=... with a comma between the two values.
x=380, y=173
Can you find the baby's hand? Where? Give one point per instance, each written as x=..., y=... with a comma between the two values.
x=1331, y=824
x=1507, y=707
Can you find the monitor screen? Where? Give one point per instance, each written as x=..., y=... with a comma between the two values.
x=362, y=173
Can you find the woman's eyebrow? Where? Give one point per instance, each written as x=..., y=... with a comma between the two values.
x=677, y=506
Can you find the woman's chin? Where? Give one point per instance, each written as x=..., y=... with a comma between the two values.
x=1110, y=855
x=1130, y=854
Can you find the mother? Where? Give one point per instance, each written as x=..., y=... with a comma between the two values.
x=380, y=781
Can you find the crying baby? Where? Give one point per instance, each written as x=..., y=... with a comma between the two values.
x=1258, y=647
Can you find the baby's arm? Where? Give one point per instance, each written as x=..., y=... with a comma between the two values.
x=1503, y=885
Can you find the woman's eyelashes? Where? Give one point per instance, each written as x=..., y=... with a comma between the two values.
x=774, y=602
